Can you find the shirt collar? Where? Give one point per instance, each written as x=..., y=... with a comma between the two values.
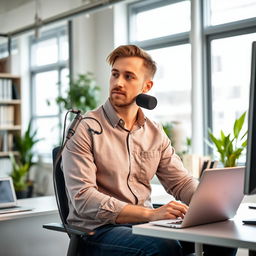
x=115, y=119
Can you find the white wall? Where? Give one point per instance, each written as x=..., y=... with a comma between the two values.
x=95, y=36
x=93, y=41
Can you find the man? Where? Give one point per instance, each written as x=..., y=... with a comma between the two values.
x=108, y=175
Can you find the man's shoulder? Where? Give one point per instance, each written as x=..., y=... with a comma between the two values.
x=153, y=124
x=93, y=119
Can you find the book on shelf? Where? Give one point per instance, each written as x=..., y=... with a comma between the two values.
x=6, y=89
x=10, y=142
x=6, y=115
x=15, y=93
x=4, y=141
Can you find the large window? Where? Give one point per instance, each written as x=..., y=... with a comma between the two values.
x=231, y=63
x=173, y=85
x=228, y=29
x=4, y=47
x=49, y=76
x=224, y=11
x=229, y=45
x=162, y=28
x=149, y=19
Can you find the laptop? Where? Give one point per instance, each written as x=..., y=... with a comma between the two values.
x=8, y=200
x=217, y=198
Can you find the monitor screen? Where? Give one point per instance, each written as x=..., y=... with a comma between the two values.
x=250, y=171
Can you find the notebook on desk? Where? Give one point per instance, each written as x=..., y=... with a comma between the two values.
x=217, y=198
x=8, y=200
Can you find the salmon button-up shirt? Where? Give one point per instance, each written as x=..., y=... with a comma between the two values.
x=105, y=172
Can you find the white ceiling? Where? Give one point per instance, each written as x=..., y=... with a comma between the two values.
x=8, y=5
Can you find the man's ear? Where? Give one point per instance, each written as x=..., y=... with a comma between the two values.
x=148, y=86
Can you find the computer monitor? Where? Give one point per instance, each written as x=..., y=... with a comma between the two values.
x=250, y=170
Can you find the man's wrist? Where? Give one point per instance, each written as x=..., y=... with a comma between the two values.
x=148, y=214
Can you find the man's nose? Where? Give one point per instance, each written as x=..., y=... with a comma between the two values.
x=120, y=81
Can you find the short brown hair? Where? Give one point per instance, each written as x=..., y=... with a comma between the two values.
x=132, y=51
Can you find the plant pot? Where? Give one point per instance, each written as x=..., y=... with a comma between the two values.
x=30, y=190
x=21, y=194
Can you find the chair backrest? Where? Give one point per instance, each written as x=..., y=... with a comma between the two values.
x=59, y=186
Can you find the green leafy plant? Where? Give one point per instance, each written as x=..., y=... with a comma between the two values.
x=24, y=145
x=82, y=94
x=231, y=146
x=22, y=163
x=19, y=174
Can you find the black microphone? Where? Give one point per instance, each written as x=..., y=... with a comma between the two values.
x=146, y=101
x=74, y=124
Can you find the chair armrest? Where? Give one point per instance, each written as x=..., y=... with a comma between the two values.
x=70, y=229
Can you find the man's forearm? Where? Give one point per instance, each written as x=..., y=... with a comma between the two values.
x=133, y=214
x=136, y=213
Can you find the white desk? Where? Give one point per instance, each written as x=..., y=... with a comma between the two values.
x=231, y=233
x=22, y=233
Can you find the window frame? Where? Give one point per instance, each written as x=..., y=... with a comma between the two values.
x=226, y=30
x=161, y=42
x=209, y=33
x=57, y=66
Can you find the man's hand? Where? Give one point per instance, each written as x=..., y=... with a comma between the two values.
x=172, y=210
x=135, y=213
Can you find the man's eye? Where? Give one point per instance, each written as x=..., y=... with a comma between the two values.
x=129, y=77
x=115, y=75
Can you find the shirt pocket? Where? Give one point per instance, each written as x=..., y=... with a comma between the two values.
x=149, y=161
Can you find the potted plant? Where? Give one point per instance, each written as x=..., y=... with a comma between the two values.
x=22, y=163
x=82, y=94
x=19, y=176
x=231, y=146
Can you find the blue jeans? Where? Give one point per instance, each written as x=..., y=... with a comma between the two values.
x=118, y=240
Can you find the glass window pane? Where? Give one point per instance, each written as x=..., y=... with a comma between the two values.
x=224, y=11
x=45, y=52
x=163, y=21
x=46, y=90
x=172, y=86
x=48, y=131
x=64, y=47
x=231, y=66
x=64, y=76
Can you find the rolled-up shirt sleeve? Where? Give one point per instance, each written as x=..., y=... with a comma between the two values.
x=81, y=183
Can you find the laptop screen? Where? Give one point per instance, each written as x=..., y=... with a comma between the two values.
x=6, y=194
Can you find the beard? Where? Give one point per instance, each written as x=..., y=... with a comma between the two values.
x=121, y=101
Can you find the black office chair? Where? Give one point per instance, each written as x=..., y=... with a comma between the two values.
x=76, y=234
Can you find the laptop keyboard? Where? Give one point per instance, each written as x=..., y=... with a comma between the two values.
x=177, y=222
